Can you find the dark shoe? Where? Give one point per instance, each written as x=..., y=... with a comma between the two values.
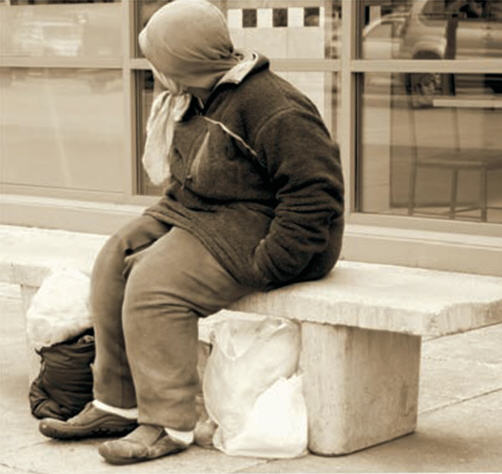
x=144, y=443
x=90, y=422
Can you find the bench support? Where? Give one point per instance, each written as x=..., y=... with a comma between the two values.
x=360, y=386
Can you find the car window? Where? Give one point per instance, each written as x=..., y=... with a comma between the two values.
x=494, y=10
x=434, y=10
x=463, y=9
x=383, y=30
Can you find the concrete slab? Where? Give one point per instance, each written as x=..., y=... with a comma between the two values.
x=456, y=380
x=460, y=367
x=57, y=457
x=389, y=298
x=469, y=346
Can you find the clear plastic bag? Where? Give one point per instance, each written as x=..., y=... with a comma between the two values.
x=59, y=309
x=250, y=390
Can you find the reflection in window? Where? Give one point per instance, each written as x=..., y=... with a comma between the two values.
x=63, y=128
x=280, y=17
x=453, y=29
x=67, y=29
x=249, y=18
x=145, y=9
x=311, y=16
x=440, y=158
x=49, y=2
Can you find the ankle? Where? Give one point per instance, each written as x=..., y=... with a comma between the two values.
x=183, y=437
x=128, y=413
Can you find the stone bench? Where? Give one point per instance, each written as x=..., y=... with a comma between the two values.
x=361, y=330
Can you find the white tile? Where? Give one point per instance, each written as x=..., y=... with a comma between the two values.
x=234, y=18
x=295, y=16
x=264, y=18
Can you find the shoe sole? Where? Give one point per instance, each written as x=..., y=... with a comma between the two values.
x=79, y=433
x=118, y=461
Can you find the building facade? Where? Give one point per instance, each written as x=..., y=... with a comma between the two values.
x=410, y=89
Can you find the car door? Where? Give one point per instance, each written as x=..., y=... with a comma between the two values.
x=494, y=29
x=471, y=37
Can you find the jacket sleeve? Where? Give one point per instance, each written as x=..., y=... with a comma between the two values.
x=304, y=170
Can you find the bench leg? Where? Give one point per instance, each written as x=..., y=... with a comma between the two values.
x=360, y=386
x=27, y=293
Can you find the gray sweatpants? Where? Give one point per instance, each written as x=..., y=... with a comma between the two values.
x=149, y=285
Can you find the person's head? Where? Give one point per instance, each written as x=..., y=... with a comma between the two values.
x=189, y=42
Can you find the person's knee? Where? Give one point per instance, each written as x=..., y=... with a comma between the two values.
x=148, y=293
x=110, y=258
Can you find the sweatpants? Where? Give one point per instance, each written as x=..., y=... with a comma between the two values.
x=150, y=284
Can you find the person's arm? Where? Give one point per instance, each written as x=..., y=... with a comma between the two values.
x=303, y=166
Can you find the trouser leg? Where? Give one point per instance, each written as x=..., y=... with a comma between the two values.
x=171, y=284
x=112, y=378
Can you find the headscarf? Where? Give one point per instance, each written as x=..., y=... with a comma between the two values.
x=189, y=41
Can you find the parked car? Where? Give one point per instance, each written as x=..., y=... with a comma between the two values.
x=382, y=38
x=463, y=29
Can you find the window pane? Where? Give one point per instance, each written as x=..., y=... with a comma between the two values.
x=319, y=86
x=70, y=29
x=435, y=156
x=431, y=29
x=278, y=29
x=62, y=128
x=296, y=30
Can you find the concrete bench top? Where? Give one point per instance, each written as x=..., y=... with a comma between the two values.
x=372, y=296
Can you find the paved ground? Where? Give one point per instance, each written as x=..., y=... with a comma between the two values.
x=459, y=428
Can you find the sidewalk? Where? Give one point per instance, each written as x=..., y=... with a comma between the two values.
x=459, y=423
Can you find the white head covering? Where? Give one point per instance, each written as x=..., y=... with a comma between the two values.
x=189, y=41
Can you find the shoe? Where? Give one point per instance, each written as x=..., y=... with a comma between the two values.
x=144, y=443
x=90, y=422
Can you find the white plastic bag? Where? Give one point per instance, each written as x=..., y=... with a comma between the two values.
x=249, y=390
x=59, y=309
x=276, y=427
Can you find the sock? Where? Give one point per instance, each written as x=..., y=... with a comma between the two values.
x=129, y=413
x=185, y=437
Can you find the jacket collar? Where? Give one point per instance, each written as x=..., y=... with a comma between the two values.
x=249, y=61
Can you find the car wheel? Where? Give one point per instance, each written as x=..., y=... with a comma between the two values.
x=423, y=87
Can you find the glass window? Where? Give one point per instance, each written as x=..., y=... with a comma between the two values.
x=63, y=29
x=49, y=2
x=292, y=31
x=276, y=29
x=63, y=128
x=144, y=10
x=431, y=29
x=321, y=88
x=311, y=16
x=435, y=155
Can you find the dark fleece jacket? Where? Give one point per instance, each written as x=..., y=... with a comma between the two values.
x=257, y=178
